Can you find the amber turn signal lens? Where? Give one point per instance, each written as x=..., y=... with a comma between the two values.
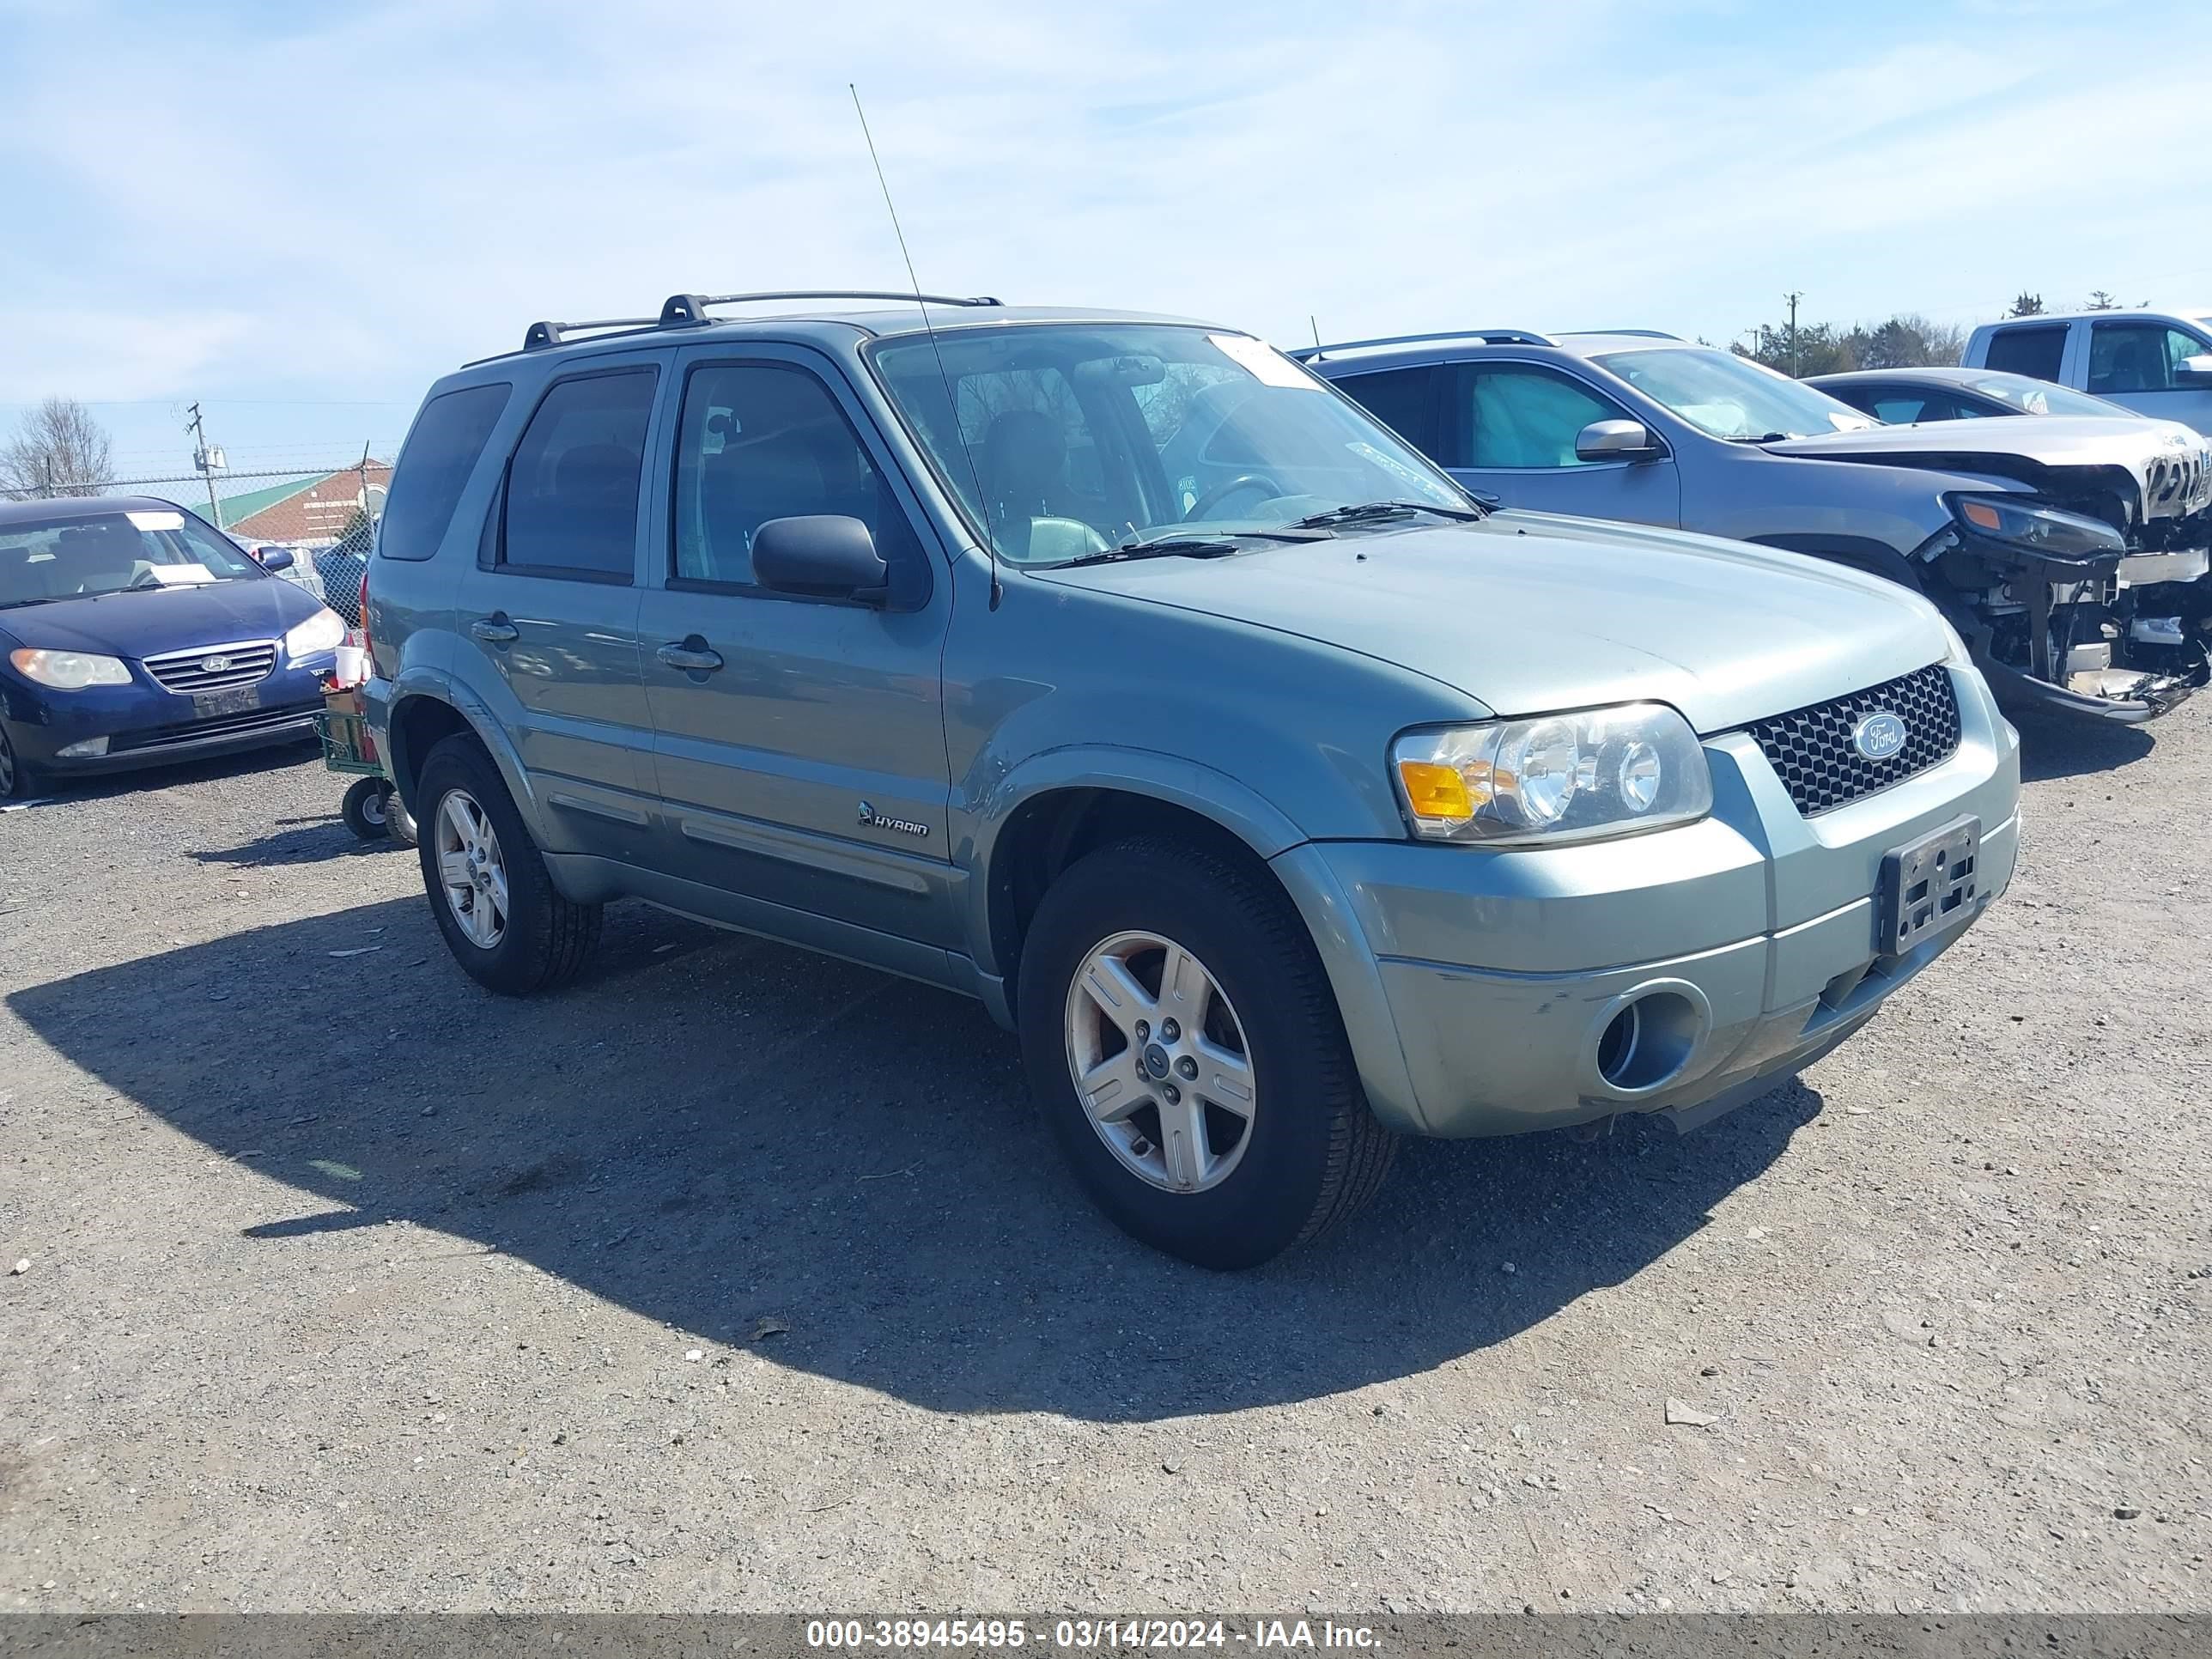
x=1981, y=515
x=1434, y=791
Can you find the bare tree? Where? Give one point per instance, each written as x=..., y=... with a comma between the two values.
x=58, y=449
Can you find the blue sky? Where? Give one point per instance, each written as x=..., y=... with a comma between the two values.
x=298, y=214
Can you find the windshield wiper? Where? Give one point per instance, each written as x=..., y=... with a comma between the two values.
x=1366, y=512
x=10, y=604
x=1179, y=547
x=1765, y=438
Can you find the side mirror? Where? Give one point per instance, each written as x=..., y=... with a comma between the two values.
x=825, y=555
x=1615, y=440
x=273, y=558
x=2194, y=368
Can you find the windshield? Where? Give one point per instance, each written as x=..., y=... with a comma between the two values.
x=1731, y=396
x=1068, y=439
x=69, y=558
x=2033, y=397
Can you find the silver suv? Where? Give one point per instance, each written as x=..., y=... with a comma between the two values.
x=1117, y=671
x=2069, y=553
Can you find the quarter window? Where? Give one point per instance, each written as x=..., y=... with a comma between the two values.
x=760, y=441
x=2035, y=351
x=1399, y=397
x=441, y=453
x=2126, y=357
x=571, y=488
x=1519, y=417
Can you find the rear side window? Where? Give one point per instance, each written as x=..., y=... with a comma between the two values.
x=441, y=453
x=572, y=487
x=2036, y=351
x=1399, y=397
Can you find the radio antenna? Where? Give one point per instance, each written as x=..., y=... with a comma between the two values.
x=951, y=403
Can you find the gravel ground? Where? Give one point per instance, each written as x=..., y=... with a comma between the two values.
x=736, y=1278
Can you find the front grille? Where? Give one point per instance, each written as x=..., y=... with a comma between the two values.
x=1811, y=748
x=213, y=667
x=222, y=725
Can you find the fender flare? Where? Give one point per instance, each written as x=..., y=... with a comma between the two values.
x=1224, y=800
x=437, y=686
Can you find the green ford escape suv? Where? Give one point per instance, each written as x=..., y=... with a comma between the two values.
x=1120, y=672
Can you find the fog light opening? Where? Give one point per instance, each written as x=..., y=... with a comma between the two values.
x=1648, y=1043
x=90, y=748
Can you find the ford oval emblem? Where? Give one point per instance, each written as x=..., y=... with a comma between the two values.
x=1879, y=735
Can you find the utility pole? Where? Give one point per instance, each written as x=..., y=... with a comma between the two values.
x=208, y=461
x=1796, y=358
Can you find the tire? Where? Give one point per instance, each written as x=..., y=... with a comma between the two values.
x=399, y=822
x=15, y=775
x=1311, y=1152
x=541, y=939
x=363, y=808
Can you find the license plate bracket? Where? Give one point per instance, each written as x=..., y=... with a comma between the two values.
x=1928, y=885
x=213, y=705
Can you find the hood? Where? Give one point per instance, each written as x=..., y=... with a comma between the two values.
x=1528, y=613
x=150, y=621
x=2159, y=469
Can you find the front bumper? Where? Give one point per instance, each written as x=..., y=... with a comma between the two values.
x=147, y=725
x=1476, y=986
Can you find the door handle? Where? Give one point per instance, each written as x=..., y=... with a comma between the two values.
x=495, y=629
x=693, y=655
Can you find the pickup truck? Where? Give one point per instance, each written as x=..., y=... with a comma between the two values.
x=2155, y=362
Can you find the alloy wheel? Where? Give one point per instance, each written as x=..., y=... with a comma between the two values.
x=471, y=869
x=1160, y=1061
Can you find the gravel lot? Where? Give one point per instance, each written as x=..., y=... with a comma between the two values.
x=737, y=1277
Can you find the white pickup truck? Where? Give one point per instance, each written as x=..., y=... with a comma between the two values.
x=2156, y=363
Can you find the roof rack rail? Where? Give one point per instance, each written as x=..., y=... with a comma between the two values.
x=1479, y=336
x=688, y=310
x=538, y=336
x=1631, y=333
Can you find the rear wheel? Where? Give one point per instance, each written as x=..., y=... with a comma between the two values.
x=1182, y=1041
x=503, y=919
x=399, y=822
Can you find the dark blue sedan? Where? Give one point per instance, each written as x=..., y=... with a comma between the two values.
x=132, y=634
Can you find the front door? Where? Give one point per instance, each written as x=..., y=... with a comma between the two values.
x=1509, y=428
x=553, y=605
x=2137, y=364
x=799, y=741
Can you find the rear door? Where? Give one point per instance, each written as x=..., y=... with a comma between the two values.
x=800, y=740
x=1509, y=428
x=553, y=603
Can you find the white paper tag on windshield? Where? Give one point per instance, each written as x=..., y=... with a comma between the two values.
x=180, y=575
x=1267, y=366
x=150, y=521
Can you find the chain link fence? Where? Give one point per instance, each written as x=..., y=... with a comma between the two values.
x=323, y=516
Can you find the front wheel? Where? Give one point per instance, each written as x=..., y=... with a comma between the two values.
x=494, y=901
x=1181, y=1039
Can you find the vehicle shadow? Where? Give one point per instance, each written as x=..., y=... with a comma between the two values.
x=102, y=785
x=715, y=1132
x=299, y=841
x=2054, y=747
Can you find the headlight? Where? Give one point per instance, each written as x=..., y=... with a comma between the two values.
x=69, y=670
x=324, y=631
x=1562, y=777
x=2038, y=529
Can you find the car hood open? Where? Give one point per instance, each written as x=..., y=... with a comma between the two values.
x=1528, y=613
x=148, y=621
x=2167, y=468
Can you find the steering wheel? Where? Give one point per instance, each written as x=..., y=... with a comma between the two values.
x=1221, y=492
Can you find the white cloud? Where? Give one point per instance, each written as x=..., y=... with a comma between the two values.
x=220, y=204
